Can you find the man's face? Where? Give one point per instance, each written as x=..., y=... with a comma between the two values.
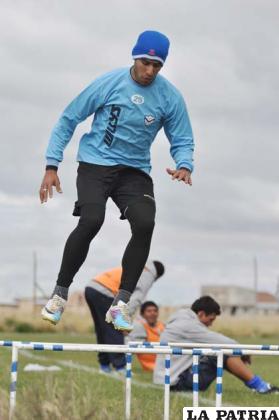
x=151, y=314
x=145, y=70
x=206, y=319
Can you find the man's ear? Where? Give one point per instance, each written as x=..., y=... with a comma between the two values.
x=201, y=314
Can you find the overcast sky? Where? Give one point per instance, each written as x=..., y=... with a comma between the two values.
x=224, y=58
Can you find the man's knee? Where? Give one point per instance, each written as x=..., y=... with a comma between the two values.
x=92, y=222
x=141, y=215
x=92, y=217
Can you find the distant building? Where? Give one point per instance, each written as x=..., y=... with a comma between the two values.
x=267, y=303
x=237, y=299
x=8, y=305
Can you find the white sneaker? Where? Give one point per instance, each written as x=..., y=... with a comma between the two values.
x=53, y=310
x=119, y=316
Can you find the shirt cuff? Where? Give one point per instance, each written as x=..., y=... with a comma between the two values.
x=185, y=165
x=52, y=162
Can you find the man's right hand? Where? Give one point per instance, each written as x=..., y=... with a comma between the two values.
x=246, y=359
x=50, y=180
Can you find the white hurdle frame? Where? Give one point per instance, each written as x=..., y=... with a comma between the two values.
x=215, y=346
x=14, y=370
x=167, y=387
x=147, y=348
x=195, y=368
x=128, y=389
x=167, y=351
x=219, y=378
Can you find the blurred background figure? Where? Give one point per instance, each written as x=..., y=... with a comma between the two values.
x=148, y=328
x=99, y=295
x=192, y=325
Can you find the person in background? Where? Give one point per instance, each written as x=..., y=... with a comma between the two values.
x=147, y=329
x=192, y=326
x=99, y=295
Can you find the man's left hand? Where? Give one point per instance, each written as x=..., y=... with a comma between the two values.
x=181, y=174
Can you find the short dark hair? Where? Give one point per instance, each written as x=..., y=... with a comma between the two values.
x=206, y=304
x=146, y=305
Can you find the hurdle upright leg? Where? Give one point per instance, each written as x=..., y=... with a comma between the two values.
x=167, y=388
x=219, y=379
x=195, y=369
x=128, y=390
x=14, y=366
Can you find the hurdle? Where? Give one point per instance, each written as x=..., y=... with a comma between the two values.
x=149, y=348
x=185, y=345
x=9, y=343
x=167, y=351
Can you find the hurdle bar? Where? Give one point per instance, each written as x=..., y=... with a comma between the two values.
x=275, y=347
x=218, y=346
x=6, y=343
x=167, y=351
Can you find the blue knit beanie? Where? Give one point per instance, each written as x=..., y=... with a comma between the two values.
x=152, y=45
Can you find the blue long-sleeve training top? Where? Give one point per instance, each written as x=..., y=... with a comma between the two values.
x=127, y=117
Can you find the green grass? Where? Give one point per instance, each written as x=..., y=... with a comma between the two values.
x=76, y=394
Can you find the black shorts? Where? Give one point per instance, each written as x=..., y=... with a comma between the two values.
x=124, y=184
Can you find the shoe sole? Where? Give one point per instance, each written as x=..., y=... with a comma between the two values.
x=116, y=327
x=110, y=320
x=122, y=329
x=49, y=320
x=46, y=318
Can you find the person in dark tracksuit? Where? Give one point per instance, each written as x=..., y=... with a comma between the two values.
x=99, y=295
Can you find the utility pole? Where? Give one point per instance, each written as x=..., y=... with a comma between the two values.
x=277, y=289
x=35, y=267
x=256, y=278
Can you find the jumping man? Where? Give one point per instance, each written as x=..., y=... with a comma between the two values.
x=130, y=106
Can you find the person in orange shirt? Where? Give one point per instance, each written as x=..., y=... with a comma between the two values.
x=147, y=329
x=99, y=295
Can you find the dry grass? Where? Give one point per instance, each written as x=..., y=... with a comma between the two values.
x=248, y=325
x=4, y=400
x=78, y=320
x=73, y=321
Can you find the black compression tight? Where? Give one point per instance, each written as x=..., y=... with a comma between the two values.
x=141, y=218
x=77, y=245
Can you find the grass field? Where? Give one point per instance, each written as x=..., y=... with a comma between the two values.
x=78, y=391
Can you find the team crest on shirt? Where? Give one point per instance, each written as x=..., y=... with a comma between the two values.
x=149, y=119
x=137, y=99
